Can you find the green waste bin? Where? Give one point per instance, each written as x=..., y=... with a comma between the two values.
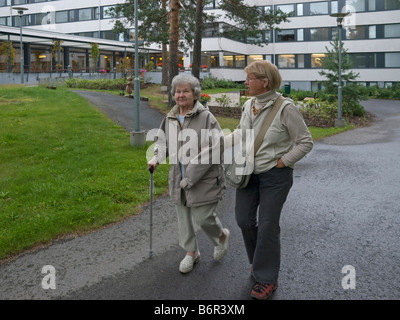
x=287, y=89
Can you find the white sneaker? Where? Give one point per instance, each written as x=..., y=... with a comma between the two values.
x=221, y=249
x=188, y=262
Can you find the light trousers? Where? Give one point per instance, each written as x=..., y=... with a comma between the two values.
x=205, y=217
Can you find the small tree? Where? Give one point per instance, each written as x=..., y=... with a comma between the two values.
x=7, y=50
x=95, y=54
x=55, y=51
x=351, y=91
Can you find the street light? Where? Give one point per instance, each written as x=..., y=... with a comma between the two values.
x=138, y=136
x=339, y=122
x=21, y=13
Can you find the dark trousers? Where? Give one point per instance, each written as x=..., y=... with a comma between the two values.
x=266, y=192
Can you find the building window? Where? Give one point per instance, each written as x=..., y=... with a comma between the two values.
x=228, y=61
x=253, y=58
x=300, y=61
x=300, y=34
x=107, y=12
x=392, y=4
x=286, y=8
x=357, y=32
x=240, y=61
x=371, y=5
x=392, y=60
x=110, y=35
x=256, y=39
x=85, y=14
x=267, y=9
x=319, y=34
x=214, y=61
x=319, y=8
x=300, y=9
x=268, y=58
x=285, y=35
x=372, y=32
x=392, y=30
x=360, y=60
x=316, y=60
x=212, y=5
x=268, y=36
x=286, y=61
x=334, y=7
x=358, y=5
x=62, y=16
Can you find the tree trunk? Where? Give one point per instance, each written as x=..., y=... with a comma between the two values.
x=197, y=39
x=174, y=6
x=164, y=56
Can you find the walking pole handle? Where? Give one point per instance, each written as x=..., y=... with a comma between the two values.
x=151, y=169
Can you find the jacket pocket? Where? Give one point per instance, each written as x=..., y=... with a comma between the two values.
x=207, y=190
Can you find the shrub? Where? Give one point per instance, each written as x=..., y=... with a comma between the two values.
x=319, y=113
x=211, y=83
x=223, y=101
x=99, y=84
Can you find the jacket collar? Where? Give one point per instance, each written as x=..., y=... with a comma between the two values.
x=198, y=108
x=266, y=99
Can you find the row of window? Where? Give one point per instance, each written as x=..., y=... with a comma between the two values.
x=359, y=60
x=212, y=30
x=299, y=9
x=41, y=59
x=326, y=7
x=304, y=61
x=44, y=18
x=312, y=34
x=4, y=3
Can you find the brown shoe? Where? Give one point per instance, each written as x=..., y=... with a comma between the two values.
x=262, y=291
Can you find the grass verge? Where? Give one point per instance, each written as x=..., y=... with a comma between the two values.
x=64, y=168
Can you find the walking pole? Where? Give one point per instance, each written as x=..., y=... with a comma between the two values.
x=151, y=169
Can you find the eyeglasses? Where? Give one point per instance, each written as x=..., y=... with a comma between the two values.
x=251, y=79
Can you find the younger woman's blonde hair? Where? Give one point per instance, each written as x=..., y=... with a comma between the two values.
x=264, y=70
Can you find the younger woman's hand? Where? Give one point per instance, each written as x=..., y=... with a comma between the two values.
x=280, y=164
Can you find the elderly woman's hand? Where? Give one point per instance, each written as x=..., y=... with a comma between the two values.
x=153, y=164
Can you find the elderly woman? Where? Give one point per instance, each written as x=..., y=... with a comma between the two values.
x=286, y=142
x=190, y=136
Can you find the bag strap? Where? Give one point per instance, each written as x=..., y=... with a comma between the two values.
x=267, y=122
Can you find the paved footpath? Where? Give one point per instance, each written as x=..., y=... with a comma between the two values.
x=339, y=230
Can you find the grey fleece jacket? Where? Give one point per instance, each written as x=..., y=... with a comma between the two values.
x=288, y=136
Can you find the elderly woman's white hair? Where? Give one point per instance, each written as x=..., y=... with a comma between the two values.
x=186, y=78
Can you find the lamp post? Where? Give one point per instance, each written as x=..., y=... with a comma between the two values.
x=137, y=136
x=21, y=13
x=339, y=122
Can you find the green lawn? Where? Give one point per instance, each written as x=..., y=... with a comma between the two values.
x=64, y=168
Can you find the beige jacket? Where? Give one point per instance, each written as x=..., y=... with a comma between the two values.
x=288, y=136
x=198, y=144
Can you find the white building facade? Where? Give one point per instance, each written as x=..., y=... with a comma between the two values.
x=371, y=35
